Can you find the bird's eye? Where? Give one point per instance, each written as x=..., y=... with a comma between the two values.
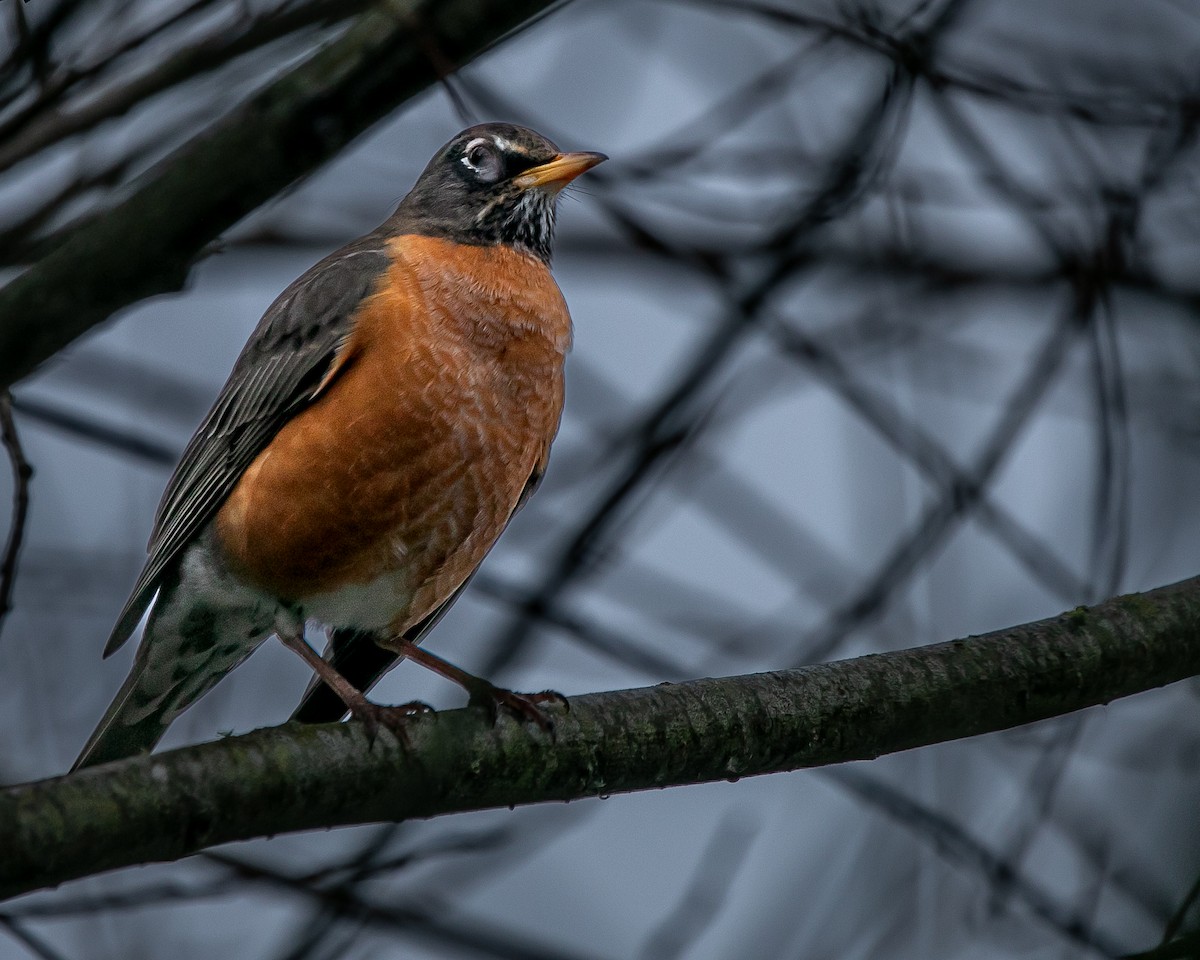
x=483, y=160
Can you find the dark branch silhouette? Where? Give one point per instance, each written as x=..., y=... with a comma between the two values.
x=21, y=474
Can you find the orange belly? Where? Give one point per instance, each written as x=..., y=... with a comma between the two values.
x=406, y=468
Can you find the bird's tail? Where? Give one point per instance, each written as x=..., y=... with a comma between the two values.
x=183, y=653
x=124, y=730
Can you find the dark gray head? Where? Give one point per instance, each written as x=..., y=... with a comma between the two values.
x=494, y=183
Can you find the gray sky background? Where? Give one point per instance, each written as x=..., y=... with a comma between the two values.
x=936, y=284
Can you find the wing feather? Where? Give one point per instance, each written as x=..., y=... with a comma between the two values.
x=284, y=362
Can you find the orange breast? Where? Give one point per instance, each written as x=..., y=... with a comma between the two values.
x=410, y=461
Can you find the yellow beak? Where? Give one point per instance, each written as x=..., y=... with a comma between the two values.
x=560, y=171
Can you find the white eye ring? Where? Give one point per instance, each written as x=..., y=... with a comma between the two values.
x=470, y=148
x=484, y=159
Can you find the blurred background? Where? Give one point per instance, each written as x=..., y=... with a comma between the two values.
x=886, y=333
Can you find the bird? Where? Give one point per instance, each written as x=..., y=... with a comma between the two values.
x=390, y=413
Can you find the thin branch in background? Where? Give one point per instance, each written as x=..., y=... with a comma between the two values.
x=36, y=946
x=36, y=129
x=21, y=473
x=421, y=922
x=20, y=24
x=39, y=63
x=133, y=897
x=712, y=882
x=445, y=69
x=36, y=47
x=1176, y=924
x=953, y=842
x=83, y=427
x=439, y=847
x=587, y=633
x=20, y=240
x=65, y=81
x=325, y=922
x=910, y=440
x=1049, y=768
x=938, y=520
x=657, y=432
x=160, y=890
x=1112, y=507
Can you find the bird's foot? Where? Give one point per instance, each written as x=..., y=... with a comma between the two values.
x=484, y=694
x=371, y=715
x=523, y=706
x=395, y=718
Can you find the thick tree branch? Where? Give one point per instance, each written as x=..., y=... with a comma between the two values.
x=146, y=244
x=297, y=778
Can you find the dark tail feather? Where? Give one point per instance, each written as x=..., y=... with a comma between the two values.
x=358, y=658
x=113, y=741
x=115, y=737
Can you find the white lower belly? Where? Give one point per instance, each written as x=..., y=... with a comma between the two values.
x=364, y=606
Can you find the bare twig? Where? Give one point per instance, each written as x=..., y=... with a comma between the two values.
x=89, y=429
x=956, y=844
x=21, y=471
x=710, y=887
x=33, y=943
x=1179, y=917
x=23, y=136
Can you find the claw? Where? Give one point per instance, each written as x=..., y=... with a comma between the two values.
x=481, y=693
x=373, y=715
x=523, y=706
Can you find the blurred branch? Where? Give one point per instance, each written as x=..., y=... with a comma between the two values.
x=87, y=428
x=303, y=777
x=146, y=244
x=33, y=943
x=21, y=108
x=1131, y=107
x=960, y=493
x=1186, y=947
x=712, y=885
x=21, y=471
x=956, y=844
x=23, y=137
x=421, y=921
x=1171, y=936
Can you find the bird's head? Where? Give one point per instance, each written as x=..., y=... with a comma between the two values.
x=494, y=183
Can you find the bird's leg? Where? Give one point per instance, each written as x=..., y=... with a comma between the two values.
x=483, y=693
x=371, y=715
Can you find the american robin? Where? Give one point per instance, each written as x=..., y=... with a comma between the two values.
x=392, y=410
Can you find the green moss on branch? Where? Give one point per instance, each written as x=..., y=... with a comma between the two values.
x=296, y=778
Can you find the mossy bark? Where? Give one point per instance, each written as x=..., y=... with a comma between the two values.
x=296, y=777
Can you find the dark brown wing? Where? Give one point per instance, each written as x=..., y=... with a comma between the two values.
x=279, y=370
x=358, y=658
